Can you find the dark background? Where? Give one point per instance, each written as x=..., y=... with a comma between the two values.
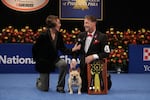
x=120, y=14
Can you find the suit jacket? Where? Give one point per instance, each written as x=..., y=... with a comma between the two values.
x=97, y=45
x=45, y=53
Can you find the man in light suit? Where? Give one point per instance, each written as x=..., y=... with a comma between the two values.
x=93, y=46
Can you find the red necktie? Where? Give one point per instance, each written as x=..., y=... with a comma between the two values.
x=89, y=34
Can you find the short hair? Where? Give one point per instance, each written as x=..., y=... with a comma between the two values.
x=50, y=21
x=91, y=18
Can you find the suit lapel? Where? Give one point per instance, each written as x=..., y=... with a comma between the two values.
x=84, y=39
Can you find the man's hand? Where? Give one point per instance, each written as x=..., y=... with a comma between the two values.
x=73, y=64
x=89, y=59
x=76, y=47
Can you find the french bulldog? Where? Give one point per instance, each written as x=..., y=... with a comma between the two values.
x=74, y=79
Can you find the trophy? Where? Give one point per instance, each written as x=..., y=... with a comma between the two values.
x=97, y=77
x=81, y=4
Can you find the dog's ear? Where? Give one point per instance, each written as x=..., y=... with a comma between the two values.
x=78, y=69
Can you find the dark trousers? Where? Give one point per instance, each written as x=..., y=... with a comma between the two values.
x=43, y=80
x=83, y=69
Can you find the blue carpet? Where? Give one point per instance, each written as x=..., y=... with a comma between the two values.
x=22, y=87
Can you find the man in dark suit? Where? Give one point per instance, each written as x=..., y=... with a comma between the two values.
x=45, y=53
x=93, y=46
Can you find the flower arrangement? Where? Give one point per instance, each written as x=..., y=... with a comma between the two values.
x=24, y=35
x=118, y=58
x=119, y=42
x=143, y=36
x=116, y=38
x=69, y=38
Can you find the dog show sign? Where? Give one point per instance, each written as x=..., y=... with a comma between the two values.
x=25, y=5
x=139, y=58
x=17, y=58
x=77, y=9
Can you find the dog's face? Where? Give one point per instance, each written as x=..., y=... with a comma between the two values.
x=74, y=78
x=74, y=75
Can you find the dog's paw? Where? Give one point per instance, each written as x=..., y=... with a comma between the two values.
x=79, y=93
x=70, y=92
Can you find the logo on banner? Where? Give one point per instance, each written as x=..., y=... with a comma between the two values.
x=146, y=54
x=68, y=59
x=4, y=59
x=81, y=4
x=25, y=5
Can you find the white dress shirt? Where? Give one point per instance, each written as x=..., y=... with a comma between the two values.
x=87, y=44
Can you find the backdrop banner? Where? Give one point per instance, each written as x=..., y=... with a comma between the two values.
x=77, y=9
x=139, y=59
x=17, y=58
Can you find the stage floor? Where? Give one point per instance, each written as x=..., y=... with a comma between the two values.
x=124, y=87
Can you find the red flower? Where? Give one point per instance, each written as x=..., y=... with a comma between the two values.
x=96, y=41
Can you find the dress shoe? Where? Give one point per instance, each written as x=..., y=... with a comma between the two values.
x=60, y=90
x=38, y=86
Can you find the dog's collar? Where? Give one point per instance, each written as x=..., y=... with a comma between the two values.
x=74, y=69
